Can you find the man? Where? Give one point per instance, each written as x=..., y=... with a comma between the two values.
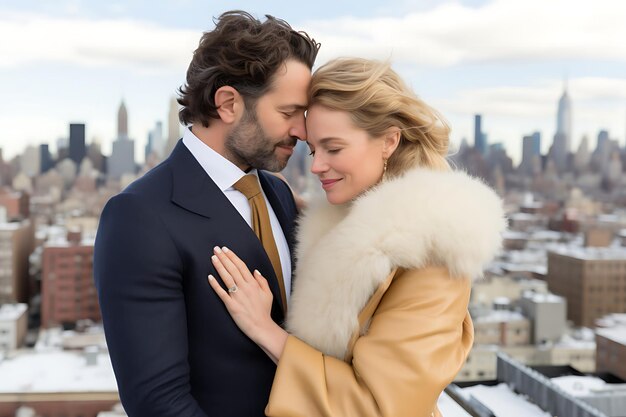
x=174, y=348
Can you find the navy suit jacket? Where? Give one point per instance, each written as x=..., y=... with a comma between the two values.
x=175, y=350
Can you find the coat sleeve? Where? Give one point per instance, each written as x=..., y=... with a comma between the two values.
x=138, y=275
x=418, y=339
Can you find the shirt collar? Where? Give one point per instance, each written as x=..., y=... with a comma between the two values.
x=222, y=171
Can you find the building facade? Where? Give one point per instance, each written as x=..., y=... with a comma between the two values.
x=68, y=292
x=592, y=280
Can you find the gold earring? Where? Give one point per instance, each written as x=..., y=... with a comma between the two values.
x=384, y=170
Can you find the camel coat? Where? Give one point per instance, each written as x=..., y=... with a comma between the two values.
x=378, y=315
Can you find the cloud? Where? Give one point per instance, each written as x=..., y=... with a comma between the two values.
x=122, y=42
x=500, y=31
x=536, y=100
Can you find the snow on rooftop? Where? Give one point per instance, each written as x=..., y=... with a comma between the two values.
x=513, y=234
x=586, y=386
x=500, y=316
x=543, y=298
x=580, y=342
x=47, y=372
x=504, y=402
x=546, y=235
x=9, y=227
x=523, y=216
x=616, y=334
x=612, y=253
x=11, y=312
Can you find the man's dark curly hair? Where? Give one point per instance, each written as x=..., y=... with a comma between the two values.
x=241, y=52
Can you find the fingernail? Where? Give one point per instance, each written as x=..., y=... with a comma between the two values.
x=211, y=277
x=217, y=249
x=215, y=258
x=225, y=249
x=256, y=272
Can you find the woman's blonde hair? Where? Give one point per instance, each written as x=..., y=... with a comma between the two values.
x=378, y=100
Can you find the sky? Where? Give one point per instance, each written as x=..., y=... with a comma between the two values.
x=73, y=61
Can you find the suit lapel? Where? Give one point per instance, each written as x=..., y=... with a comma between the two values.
x=195, y=191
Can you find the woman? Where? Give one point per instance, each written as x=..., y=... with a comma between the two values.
x=378, y=322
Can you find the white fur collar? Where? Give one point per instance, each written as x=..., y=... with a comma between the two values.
x=423, y=218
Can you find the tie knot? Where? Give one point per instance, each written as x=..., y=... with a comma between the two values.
x=248, y=185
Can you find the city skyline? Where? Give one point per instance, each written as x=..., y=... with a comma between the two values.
x=464, y=58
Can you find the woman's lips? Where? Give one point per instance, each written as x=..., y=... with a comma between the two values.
x=327, y=184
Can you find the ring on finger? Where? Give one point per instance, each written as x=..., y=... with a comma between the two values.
x=233, y=289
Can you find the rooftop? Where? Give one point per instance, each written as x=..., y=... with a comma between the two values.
x=10, y=312
x=502, y=401
x=48, y=372
x=586, y=386
x=10, y=226
x=613, y=327
x=543, y=298
x=612, y=253
x=498, y=316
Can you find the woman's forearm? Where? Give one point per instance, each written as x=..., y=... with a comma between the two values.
x=272, y=340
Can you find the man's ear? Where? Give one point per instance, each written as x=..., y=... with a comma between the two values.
x=229, y=104
x=391, y=141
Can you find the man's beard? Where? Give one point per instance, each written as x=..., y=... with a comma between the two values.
x=247, y=144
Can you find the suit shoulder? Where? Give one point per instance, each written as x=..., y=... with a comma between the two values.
x=155, y=182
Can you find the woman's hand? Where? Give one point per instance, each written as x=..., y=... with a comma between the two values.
x=248, y=300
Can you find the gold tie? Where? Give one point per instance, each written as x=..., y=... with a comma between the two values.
x=248, y=185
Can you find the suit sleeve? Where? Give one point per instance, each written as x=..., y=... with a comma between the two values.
x=138, y=275
x=418, y=340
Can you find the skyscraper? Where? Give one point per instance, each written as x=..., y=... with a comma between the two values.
x=531, y=150
x=563, y=136
x=45, y=159
x=122, y=121
x=155, y=143
x=77, y=142
x=122, y=160
x=480, y=140
x=29, y=161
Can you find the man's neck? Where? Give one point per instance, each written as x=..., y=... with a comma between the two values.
x=214, y=137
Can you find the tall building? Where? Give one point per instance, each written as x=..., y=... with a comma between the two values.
x=591, y=279
x=30, y=161
x=531, y=151
x=603, y=148
x=122, y=121
x=173, y=127
x=17, y=241
x=94, y=153
x=68, y=293
x=480, y=139
x=122, y=160
x=583, y=156
x=155, y=141
x=45, y=159
x=563, y=136
x=77, y=142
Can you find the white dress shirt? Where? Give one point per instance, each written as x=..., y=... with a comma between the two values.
x=224, y=174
